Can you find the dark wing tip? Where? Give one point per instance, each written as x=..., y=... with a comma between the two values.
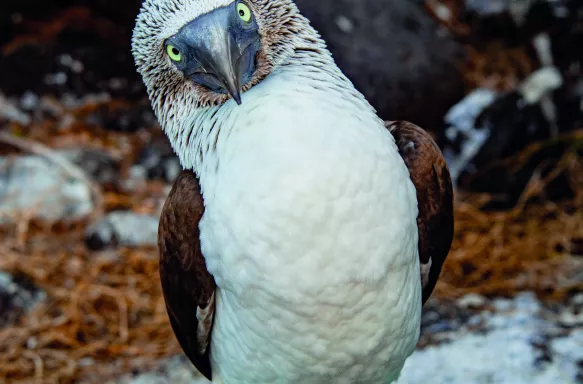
x=430, y=175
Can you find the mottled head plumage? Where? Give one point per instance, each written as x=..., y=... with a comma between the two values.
x=281, y=28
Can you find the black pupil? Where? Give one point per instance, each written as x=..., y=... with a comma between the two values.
x=241, y=13
x=175, y=51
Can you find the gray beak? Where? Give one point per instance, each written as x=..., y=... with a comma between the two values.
x=219, y=51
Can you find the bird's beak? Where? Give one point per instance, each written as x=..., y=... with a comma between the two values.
x=219, y=56
x=222, y=52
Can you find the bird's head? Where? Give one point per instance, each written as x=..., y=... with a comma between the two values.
x=198, y=53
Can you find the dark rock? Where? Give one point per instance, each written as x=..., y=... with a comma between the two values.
x=440, y=318
x=159, y=161
x=102, y=168
x=18, y=295
x=90, y=49
x=485, y=128
x=517, y=21
x=123, y=117
x=395, y=54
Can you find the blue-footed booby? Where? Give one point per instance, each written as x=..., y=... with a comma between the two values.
x=304, y=234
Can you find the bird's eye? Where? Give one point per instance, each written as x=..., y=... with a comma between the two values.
x=173, y=53
x=244, y=12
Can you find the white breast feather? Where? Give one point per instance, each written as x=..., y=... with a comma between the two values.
x=310, y=232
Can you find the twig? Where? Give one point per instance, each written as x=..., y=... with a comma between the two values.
x=66, y=166
x=38, y=365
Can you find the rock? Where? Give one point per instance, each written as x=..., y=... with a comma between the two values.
x=122, y=228
x=487, y=127
x=395, y=53
x=472, y=301
x=32, y=186
x=17, y=296
x=577, y=300
x=506, y=348
x=135, y=180
x=177, y=370
x=464, y=138
x=570, y=346
x=517, y=20
x=441, y=320
x=100, y=165
x=123, y=118
x=570, y=319
x=549, y=101
x=10, y=111
x=159, y=161
x=517, y=9
x=29, y=101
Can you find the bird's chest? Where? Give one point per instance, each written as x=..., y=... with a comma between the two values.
x=298, y=211
x=312, y=240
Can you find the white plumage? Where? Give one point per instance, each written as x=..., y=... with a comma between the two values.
x=309, y=227
x=310, y=233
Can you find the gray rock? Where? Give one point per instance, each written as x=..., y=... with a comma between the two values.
x=123, y=228
x=461, y=128
x=17, y=296
x=29, y=101
x=472, y=301
x=32, y=186
x=177, y=370
x=506, y=349
x=100, y=165
x=571, y=319
x=10, y=111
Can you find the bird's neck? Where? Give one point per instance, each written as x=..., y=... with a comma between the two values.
x=309, y=71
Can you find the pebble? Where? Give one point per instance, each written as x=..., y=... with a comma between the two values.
x=122, y=228
x=176, y=370
x=17, y=296
x=10, y=111
x=472, y=301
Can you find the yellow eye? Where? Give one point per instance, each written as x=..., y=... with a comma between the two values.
x=173, y=53
x=244, y=12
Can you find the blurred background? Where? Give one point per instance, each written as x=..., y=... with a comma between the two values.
x=85, y=168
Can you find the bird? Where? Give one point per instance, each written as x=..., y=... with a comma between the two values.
x=304, y=233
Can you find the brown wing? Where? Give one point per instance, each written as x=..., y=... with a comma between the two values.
x=188, y=287
x=430, y=176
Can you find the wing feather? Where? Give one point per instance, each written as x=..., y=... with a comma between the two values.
x=187, y=285
x=430, y=175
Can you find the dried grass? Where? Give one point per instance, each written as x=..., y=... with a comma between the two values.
x=105, y=314
x=535, y=246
